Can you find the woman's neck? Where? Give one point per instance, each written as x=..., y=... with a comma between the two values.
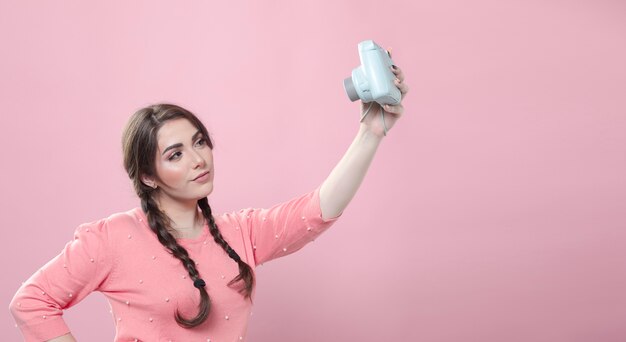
x=185, y=219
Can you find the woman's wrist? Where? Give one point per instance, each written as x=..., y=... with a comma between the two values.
x=65, y=338
x=367, y=134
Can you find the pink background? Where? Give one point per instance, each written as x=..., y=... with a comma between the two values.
x=494, y=211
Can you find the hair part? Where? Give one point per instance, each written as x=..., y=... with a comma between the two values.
x=140, y=146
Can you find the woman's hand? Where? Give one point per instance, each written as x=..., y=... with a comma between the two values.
x=373, y=121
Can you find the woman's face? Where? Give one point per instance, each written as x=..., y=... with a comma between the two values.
x=183, y=155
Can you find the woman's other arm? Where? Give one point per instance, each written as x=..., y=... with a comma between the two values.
x=82, y=267
x=64, y=338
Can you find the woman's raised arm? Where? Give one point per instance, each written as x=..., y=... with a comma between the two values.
x=344, y=180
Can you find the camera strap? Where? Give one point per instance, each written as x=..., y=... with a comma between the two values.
x=382, y=116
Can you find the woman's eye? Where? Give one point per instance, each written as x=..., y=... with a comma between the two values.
x=174, y=156
x=201, y=142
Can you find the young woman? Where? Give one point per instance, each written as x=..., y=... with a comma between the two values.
x=171, y=269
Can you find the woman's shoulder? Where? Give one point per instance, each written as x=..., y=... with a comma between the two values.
x=236, y=216
x=115, y=222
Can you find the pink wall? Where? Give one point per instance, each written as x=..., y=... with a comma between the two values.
x=494, y=211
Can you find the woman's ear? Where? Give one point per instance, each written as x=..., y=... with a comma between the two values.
x=148, y=181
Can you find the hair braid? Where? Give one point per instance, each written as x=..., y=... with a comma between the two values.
x=159, y=222
x=245, y=271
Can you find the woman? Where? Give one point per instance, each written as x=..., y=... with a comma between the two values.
x=171, y=270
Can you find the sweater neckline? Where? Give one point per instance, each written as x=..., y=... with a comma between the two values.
x=139, y=213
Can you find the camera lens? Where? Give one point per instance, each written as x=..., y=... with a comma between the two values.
x=348, y=85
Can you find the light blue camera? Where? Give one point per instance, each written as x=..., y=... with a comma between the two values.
x=373, y=79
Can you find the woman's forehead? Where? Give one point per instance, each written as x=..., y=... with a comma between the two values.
x=174, y=132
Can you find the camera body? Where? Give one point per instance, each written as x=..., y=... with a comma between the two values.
x=373, y=79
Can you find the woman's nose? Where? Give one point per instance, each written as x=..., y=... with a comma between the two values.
x=198, y=160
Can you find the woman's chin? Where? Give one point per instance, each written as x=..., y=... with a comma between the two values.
x=207, y=191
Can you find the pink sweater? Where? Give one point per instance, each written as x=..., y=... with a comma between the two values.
x=121, y=257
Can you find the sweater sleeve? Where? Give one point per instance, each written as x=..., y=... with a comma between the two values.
x=286, y=227
x=82, y=267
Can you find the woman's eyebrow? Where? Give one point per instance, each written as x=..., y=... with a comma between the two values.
x=180, y=144
x=196, y=135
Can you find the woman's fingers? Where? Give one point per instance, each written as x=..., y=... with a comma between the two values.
x=397, y=109
x=398, y=72
x=402, y=86
x=399, y=82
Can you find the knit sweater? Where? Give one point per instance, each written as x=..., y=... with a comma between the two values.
x=144, y=284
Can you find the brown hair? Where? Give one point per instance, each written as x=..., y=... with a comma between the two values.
x=140, y=145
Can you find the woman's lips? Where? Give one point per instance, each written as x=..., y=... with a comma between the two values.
x=203, y=177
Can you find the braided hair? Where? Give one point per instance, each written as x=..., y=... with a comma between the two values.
x=139, y=144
